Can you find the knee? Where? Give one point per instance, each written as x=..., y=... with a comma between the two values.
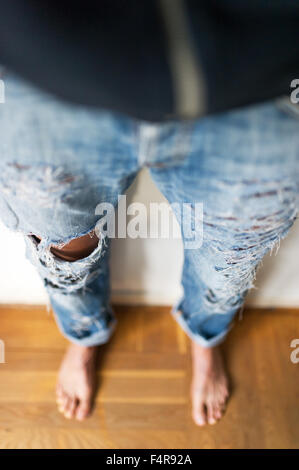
x=77, y=248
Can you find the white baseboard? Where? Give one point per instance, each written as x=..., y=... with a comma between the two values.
x=147, y=298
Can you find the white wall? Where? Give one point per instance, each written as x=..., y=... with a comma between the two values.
x=148, y=271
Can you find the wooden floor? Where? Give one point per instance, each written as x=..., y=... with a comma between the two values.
x=143, y=399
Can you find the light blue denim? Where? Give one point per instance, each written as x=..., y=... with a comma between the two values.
x=59, y=161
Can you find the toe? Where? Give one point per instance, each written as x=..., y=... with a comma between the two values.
x=217, y=413
x=65, y=406
x=59, y=401
x=221, y=405
x=199, y=417
x=69, y=411
x=199, y=411
x=83, y=409
x=62, y=402
x=210, y=413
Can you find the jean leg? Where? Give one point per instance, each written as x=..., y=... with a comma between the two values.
x=243, y=166
x=58, y=162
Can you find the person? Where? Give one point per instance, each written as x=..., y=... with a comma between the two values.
x=60, y=160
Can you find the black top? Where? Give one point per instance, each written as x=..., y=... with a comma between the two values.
x=145, y=58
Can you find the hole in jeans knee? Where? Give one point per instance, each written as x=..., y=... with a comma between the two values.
x=78, y=248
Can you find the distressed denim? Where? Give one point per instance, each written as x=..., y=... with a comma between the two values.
x=59, y=161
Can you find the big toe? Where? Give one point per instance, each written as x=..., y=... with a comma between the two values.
x=199, y=412
x=62, y=401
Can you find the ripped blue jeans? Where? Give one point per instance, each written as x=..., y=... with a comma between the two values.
x=59, y=161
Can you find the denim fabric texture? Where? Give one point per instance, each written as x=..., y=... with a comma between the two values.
x=59, y=161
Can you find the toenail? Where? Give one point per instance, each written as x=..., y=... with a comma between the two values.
x=199, y=421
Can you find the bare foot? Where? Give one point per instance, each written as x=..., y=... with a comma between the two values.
x=76, y=382
x=209, y=385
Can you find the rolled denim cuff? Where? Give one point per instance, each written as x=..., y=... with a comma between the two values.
x=197, y=338
x=95, y=339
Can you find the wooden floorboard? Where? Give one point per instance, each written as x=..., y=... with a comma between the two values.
x=144, y=378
